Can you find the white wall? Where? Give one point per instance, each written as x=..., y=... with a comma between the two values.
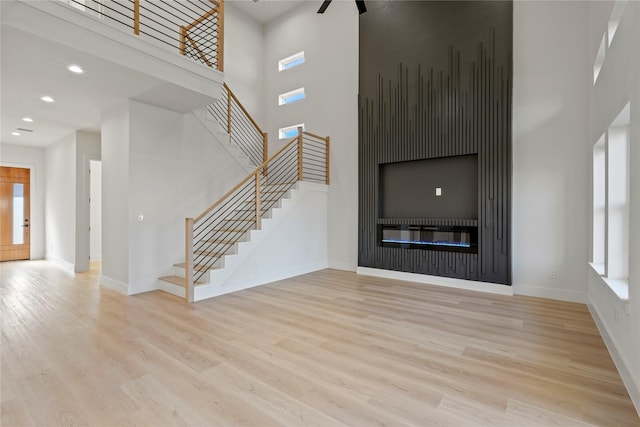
x=617, y=84
x=33, y=158
x=60, y=202
x=176, y=170
x=87, y=148
x=115, y=200
x=330, y=78
x=95, y=210
x=244, y=59
x=550, y=165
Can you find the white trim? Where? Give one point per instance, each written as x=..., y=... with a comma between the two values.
x=114, y=284
x=283, y=64
x=65, y=265
x=282, y=131
x=470, y=285
x=550, y=293
x=285, y=98
x=632, y=386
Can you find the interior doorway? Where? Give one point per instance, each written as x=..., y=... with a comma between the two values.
x=14, y=214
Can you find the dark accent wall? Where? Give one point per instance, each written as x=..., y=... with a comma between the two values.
x=435, y=81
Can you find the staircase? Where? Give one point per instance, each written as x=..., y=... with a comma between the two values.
x=225, y=236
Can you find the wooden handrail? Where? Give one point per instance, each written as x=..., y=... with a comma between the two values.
x=233, y=95
x=247, y=178
x=313, y=135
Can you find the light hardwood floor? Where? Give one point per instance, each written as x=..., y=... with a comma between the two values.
x=324, y=349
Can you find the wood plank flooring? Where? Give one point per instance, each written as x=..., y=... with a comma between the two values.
x=325, y=349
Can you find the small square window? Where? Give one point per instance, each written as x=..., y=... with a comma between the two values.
x=289, y=97
x=291, y=61
x=290, y=131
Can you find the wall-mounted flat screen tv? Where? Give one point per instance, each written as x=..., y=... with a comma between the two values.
x=436, y=188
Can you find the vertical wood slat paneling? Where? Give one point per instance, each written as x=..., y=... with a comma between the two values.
x=427, y=113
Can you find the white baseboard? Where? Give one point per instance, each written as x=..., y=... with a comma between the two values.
x=557, y=294
x=96, y=258
x=114, y=284
x=469, y=285
x=61, y=263
x=632, y=386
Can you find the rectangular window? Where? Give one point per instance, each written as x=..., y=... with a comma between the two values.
x=599, y=204
x=18, y=214
x=614, y=20
x=290, y=97
x=597, y=64
x=291, y=61
x=611, y=188
x=617, y=266
x=290, y=131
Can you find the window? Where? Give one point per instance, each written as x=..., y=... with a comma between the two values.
x=290, y=131
x=614, y=20
x=597, y=65
x=610, y=238
x=291, y=61
x=599, y=205
x=289, y=97
x=617, y=265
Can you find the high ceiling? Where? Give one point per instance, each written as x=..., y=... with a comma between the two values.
x=266, y=10
x=32, y=67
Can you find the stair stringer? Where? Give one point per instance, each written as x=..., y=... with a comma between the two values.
x=293, y=241
x=224, y=139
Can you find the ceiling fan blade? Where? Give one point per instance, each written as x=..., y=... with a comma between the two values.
x=361, y=7
x=324, y=6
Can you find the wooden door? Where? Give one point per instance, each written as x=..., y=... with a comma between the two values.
x=14, y=214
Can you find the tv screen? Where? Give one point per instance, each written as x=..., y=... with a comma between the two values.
x=437, y=188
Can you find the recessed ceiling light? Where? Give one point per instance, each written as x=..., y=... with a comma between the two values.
x=75, y=69
x=27, y=119
x=15, y=133
x=47, y=98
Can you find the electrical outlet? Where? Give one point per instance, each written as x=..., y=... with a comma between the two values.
x=553, y=274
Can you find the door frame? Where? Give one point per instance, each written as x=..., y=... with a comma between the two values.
x=32, y=192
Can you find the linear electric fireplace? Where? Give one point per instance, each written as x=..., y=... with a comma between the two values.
x=429, y=237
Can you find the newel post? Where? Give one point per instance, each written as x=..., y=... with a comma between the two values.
x=300, y=174
x=189, y=289
x=220, y=41
x=136, y=17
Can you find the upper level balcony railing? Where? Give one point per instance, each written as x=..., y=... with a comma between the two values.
x=193, y=28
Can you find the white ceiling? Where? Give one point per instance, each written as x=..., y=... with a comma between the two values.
x=31, y=66
x=266, y=10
